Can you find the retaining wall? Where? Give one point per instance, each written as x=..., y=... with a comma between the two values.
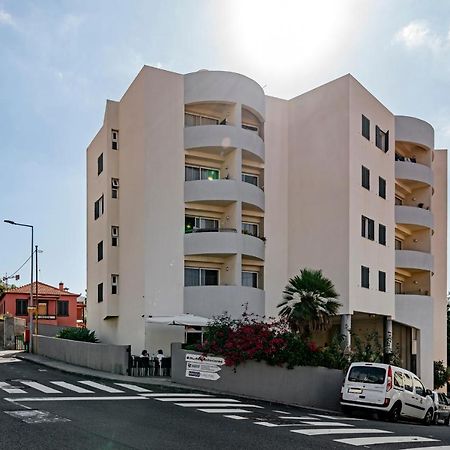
x=316, y=387
x=103, y=357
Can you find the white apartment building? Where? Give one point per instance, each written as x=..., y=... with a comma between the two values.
x=205, y=195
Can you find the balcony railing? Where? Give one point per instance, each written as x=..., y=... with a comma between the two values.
x=210, y=230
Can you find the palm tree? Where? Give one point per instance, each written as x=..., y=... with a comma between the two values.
x=309, y=301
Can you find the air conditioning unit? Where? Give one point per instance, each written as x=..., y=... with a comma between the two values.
x=115, y=231
x=115, y=182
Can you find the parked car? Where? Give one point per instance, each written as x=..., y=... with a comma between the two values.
x=388, y=390
x=441, y=407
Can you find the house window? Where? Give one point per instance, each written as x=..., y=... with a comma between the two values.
x=196, y=224
x=114, y=284
x=100, y=164
x=398, y=244
x=249, y=279
x=62, y=308
x=398, y=287
x=115, y=139
x=381, y=281
x=382, y=234
x=193, y=120
x=115, y=187
x=250, y=228
x=382, y=139
x=201, y=277
x=365, y=177
x=21, y=307
x=192, y=173
x=381, y=187
x=367, y=228
x=100, y=292
x=247, y=126
x=42, y=309
x=100, y=251
x=364, y=277
x=99, y=208
x=115, y=236
x=365, y=131
x=250, y=178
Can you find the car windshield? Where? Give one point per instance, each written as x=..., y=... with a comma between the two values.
x=363, y=374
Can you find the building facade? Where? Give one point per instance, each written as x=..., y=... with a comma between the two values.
x=56, y=306
x=205, y=196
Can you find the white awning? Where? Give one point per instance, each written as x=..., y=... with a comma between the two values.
x=181, y=319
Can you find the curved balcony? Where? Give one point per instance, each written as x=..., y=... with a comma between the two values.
x=223, y=191
x=226, y=87
x=223, y=243
x=417, y=131
x=405, y=170
x=411, y=259
x=223, y=136
x=210, y=301
x=412, y=215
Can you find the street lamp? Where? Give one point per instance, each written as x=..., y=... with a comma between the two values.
x=11, y=222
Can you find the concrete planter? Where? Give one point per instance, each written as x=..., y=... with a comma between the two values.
x=316, y=387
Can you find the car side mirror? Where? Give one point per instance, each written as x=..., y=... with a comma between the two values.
x=428, y=392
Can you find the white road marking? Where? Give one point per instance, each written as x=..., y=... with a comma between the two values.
x=225, y=411
x=72, y=387
x=196, y=399
x=35, y=416
x=319, y=431
x=297, y=418
x=267, y=424
x=384, y=440
x=323, y=416
x=40, y=387
x=281, y=412
x=328, y=424
x=101, y=387
x=174, y=394
x=73, y=399
x=440, y=447
x=8, y=360
x=236, y=417
x=213, y=405
x=133, y=387
x=11, y=390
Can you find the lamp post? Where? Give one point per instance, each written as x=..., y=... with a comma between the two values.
x=11, y=222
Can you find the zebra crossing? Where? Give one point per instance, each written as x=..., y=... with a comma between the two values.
x=349, y=431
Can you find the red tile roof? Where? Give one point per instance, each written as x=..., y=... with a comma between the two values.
x=43, y=289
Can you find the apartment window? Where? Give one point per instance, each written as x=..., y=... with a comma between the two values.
x=365, y=177
x=114, y=284
x=201, y=277
x=99, y=208
x=367, y=228
x=100, y=292
x=249, y=279
x=365, y=127
x=193, y=120
x=193, y=224
x=21, y=307
x=115, y=187
x=364, y=277
x=115, y=236
x=100, y=251
x=382, y=139
x=398, y=244
x=247, y=126
x=250, y=178
x=192, y=173
x=100, y=164
x=398, y=287
x=115, y=139
x=382, y=234
x=381, y=187
x=62, y=308
x=250, y=228
x=381, y=281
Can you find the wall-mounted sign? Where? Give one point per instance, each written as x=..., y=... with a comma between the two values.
x=202, y=375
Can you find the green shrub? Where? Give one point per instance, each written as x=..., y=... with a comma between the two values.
x=77, y=334
x=441, y=374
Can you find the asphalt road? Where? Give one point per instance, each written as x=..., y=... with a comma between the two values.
x=41, y=408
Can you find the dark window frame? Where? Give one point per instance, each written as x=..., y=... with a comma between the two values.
x=382, y=187
x=381, y=281
x=365, y=277
x=100, y=251
x=100, y=164
x=382, y=139
x=382, y=234
x=99, y=207
x=99, y=292
x=62, y=308
x=365, y=127
x=21, y=310
x=367, y=228
x=365, y=177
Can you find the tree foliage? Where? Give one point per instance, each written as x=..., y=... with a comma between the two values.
x=77, y=334
x=441, y=374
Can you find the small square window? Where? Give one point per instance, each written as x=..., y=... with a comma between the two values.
x=21, y=307
x=364, y=277
x=367, y=228
x=114, y=284
x=382, y=139
x=115, y=139
x=63, y=308
x=115, y=236
x=365, y=177
x=381, y=187
x=382, y=281
x=365, y=131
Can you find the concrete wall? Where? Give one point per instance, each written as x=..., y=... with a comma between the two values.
x=317, y=387
x=49, y=330
x=10, y=327
x=103, y=357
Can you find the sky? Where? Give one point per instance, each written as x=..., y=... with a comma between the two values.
x=60, y=60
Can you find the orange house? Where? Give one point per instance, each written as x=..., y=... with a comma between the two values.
x=56, y=306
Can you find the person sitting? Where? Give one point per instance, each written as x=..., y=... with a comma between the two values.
x=145, y=354
x=159, y=356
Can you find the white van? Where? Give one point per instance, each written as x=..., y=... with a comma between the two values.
x=387, y=389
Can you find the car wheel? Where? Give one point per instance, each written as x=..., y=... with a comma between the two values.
x=447, y=420
x=428, y=419
x=394, y=413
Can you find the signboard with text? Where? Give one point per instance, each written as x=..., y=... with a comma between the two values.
x=203, y=367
